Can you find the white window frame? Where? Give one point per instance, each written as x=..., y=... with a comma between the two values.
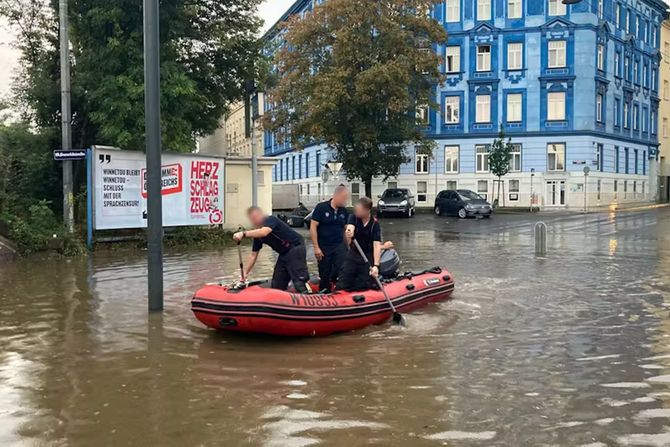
x=451, y=159
x=515, y=56
x=557, y=162
x=599, y=107
x=422, y=162
x=601, y=9
x=626, y=115
x=482, y=152
x=515, y=157
x=517, y=187
x=452, y=61
x=557, y=53
x=483, y=10
x=484, y=58
x=453, y=11
x=452, y=109
x=557, y=8
x=483, y=109
x=556, y=106
x=617, y=64
x=514, y=107
x=514, y=9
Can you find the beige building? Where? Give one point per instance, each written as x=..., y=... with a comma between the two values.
x=660, y=171
x=230, y=141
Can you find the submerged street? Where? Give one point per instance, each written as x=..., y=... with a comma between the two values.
x=571, y=350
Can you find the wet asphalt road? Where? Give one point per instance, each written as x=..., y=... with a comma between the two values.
x=571, y=350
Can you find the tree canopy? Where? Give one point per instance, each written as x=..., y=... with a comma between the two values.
x=208, y=48
x=352, y=74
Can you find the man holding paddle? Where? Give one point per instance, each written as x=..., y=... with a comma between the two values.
x=290, y=246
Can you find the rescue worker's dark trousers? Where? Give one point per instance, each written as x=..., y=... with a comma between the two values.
x=330, y=265
x=355, y=275
x=292, y=266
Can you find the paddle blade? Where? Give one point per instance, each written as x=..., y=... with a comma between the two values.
x=399, y=319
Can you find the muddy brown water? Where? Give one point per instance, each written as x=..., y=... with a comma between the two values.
x=571, y=350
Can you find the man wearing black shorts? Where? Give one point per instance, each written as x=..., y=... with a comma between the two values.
x=292, y=261
x=327, y=233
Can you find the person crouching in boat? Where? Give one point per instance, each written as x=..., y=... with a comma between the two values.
x=290, y=246
x=363, y=227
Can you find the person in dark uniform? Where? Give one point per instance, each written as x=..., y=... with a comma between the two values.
x=363, y=227
x=327, y=233
x=292, y=261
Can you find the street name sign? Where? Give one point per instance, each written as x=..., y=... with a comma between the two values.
x=69, y=154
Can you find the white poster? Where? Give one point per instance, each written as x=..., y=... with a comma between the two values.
x=192, y=189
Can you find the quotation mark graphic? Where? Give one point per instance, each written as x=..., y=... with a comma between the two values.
x=105, y=157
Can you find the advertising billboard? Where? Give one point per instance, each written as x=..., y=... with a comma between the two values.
x=192, y=189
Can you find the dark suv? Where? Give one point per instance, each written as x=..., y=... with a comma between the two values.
x=462, y=203
x=396, y=201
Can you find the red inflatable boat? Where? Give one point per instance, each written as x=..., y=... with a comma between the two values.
x=260, y=309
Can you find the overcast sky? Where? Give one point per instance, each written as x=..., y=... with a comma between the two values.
x=270, y=11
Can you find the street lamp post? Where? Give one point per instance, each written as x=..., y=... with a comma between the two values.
x=586, y=178
x=66, y=115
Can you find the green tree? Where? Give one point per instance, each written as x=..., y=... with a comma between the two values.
x=352, y=75
x=500, y=155
x=208, y=48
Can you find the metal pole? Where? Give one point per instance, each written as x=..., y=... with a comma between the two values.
x=89, y=198
x=586, y=179
x=254, y=165
x=66, y=115
x=153, y=153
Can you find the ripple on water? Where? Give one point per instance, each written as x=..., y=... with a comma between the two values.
x=643, y=439
x=455, y=435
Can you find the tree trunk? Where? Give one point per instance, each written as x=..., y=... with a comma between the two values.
x=368, y=186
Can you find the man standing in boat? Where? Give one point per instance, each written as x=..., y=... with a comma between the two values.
x=290, y=246
x=327, y=233
x=364, y=228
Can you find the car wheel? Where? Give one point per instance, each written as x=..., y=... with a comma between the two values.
x=462, y=213
x=438, y=211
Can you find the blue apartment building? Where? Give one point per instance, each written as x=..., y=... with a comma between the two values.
x=574, y=86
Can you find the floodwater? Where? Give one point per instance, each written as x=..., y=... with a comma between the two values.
x=571, y=350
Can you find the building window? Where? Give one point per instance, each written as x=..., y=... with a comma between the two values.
x=483, y=9
x=452, y=185
x=422, y=161
x=318, y=163
x=626, y=115
x=600, y=149
x=453, y=59
x=300, y=166
x=293, y=168
x=514, y=186
x=483, y=109
x=616, y=159
x=617, y=15
x=514, y=9
x=557, y=53
x=617, y=64
x=601, y=9
x=645, y=118
x=644, y=164
x=514, y=108
x=483, y=188
x=599, y=188
x=421, y=191
x=452, y=106
x=514, y=56
x=451, y=159
x=626, y=160
x=482, y=152
x=599, y=108
x=281, y=170
x=453, y=11
x=556, y=106
x=422, y=116
x=515, y=158
x=307, y=165
x=626, y=68
x=636, y=116
x=628, y=14
x=601, y=57
x=484, y=58
x=645, y=75
x=636, y=72
x=556, y=157
x=557, y=8
x=666, y=90
x=617, y=111
x=637, y=161
x=616, y=186
x=652, y=122
x=665, y=128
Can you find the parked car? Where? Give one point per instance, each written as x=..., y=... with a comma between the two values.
x=462, y=203
x=396, y=201
x=296, y=217
x=308, y=219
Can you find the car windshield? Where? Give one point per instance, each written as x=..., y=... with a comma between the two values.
x=394, y=194
x=469, y=195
